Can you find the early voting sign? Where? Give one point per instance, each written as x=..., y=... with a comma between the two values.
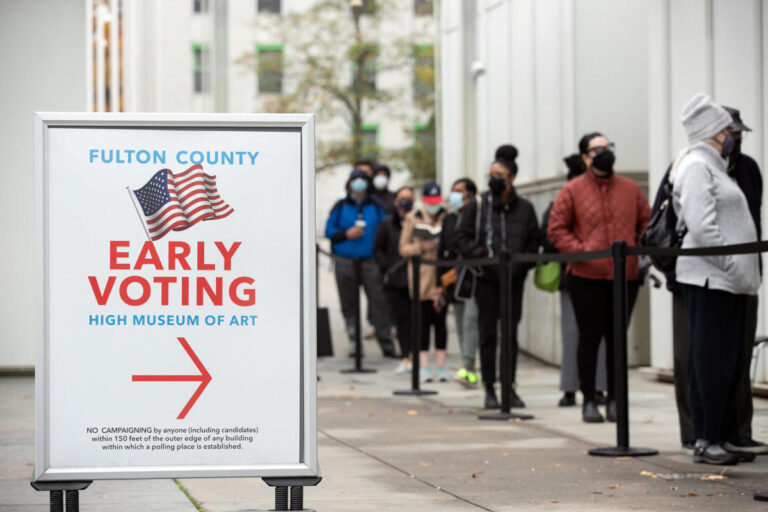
x=175, y=296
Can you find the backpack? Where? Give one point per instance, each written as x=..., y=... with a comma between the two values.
x=662, y=231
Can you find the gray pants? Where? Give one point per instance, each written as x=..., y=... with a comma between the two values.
x=468, y=329
x=569, y=331
x=350, y=275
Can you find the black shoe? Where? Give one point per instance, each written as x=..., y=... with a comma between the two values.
x=706, y=453
x=590, y=414
x=742, y=455
x=388, y=348
x=568, y=400
x=490, y=399
x=610, y=411
x=515, y=401
x=600, y=398
x=747, y=445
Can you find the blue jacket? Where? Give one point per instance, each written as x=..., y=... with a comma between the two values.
x=343, y=216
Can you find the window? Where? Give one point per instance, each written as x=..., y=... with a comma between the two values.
x=423, y=70
x=370, y=140
x=369, y=53
x=199, y=6
x=201, y=70
x=268, y=6
x=422, y=7
x=270, y=66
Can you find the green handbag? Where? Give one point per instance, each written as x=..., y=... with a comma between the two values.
x=547, y=276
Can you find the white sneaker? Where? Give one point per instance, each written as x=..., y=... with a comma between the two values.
x=403, y=367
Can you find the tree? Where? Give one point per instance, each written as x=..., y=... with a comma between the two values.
x=332, y=62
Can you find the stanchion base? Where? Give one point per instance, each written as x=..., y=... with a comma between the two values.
x=620, y=451
x=504, y=416
x=414, y=392
x=273, y=510
x=360, y=370
x=761, y=496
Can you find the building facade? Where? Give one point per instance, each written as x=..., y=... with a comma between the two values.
x=540, y=73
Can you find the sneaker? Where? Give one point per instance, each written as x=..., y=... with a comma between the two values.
x=466, y=378
x=743, y=456
x=600, y=398
x=568, y=400
x=441, y=374
x=687, y=449
x=388, y=348
x=473, y=379
x=403, y=367
x=514, y=400
x=705, y=452
x=747, y=445
x=425, y=375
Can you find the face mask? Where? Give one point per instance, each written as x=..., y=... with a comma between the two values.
x=432, y=209
x=358, y=185
x=497, y=185
x=604, y=162
x=456, y=200
x=405, y=205
x=728, y=145
x=380, y=182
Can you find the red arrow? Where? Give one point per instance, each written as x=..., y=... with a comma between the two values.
x=204, y=378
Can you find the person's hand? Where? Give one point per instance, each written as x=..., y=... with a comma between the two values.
x=354, y=233
x=429, y=245
x=436, y=294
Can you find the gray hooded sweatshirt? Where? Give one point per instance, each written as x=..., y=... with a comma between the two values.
x=714, y=211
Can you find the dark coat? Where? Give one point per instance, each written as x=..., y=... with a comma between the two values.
x=510, y=225
x=386, y=252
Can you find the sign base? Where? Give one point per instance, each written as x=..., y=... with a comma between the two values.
x=57, y=490
x=622, y=451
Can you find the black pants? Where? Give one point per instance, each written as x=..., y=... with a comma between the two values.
x=593, y=305
x=744, y=401
x=400, y=307
x=487, y=295
x=716, y=320
x=431, y=318
x=681, y=349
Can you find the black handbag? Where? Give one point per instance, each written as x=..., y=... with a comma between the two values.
x=662, y=232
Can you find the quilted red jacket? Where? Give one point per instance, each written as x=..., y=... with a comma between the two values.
x=590, y=213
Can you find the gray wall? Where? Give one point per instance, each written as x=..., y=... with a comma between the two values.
x=43, y=58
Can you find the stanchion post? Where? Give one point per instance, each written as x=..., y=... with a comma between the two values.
x=506, y=314
x=415, y=332
x=58, y=490
x=621, y=387
x=358, y=327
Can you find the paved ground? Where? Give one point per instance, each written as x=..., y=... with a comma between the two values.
x=382, y=453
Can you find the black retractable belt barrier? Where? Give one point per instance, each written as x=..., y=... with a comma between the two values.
x=57, y=490
x=622, y=448
x=415, y=332
x=505, y=306
x=358, y=330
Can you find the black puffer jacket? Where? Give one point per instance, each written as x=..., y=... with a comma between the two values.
x=510, y=225
x=386, y=252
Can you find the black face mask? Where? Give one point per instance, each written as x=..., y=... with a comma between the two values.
x=405, y=205
x=497, y=185
x=735, y=153
x=604, y=162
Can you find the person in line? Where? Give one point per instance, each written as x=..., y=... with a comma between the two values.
x=381, y=192
x=386, y=251
x=747, y=175
x=500, y=221
x=713, y=211
x=420, y=237
x=364, y=165
x=351, y=227
x=746, y=172
x=569, y=329
x=465, y=310
x=590, y=213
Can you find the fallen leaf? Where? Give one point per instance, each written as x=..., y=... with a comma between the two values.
x=505, y=454
x=554, y=502
x=692, y=495
x=558, y=465
x=424, y=464
x=714, y=477
x=615, y=486
x=351, y=388
x=623, y=458
x=412, y=413
x=648, y=473
x=720, y=494
x=474, y=475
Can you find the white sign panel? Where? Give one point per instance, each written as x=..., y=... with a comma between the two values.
x=175, y=296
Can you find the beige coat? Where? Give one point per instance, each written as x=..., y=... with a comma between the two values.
x=412, y=246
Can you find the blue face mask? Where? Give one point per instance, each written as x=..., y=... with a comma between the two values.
x=432, y=209
x=456, y=200
x=358, y=185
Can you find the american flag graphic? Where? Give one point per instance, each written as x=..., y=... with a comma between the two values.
x=174, y=202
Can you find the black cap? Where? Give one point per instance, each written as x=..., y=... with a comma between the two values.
x=737, y=125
